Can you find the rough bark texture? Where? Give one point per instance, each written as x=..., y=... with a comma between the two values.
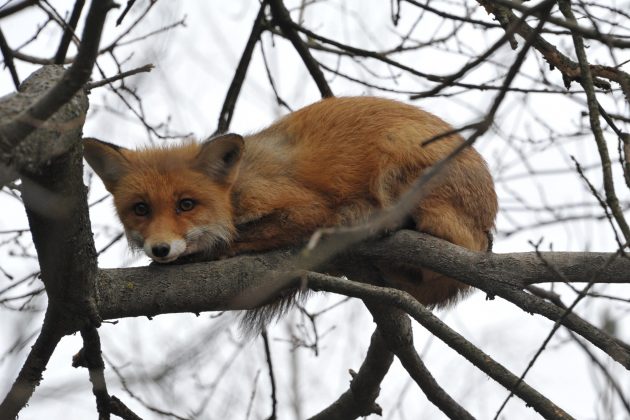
x=197, y=287
x=55, y=197
x=54, y=138
x=49, y=161
x=219, y=285
x=70, y=82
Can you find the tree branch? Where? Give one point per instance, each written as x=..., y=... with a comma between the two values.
x=360, y=399
x=570, y=70
x=433, y=324
x=396, y=329
x=93, y=361
x=7, y=54
x=18, y=128
x=233, y=283
x=272, y=378
x=55, y=200
x=156, y=289
x=593, y=111
x=506, y=5
x=225, y=117
x=283, y=19
x=506, y=275
x=68, y=32
x=61, y=130
x=119, y=76
x=14, y=8
x=31, y=373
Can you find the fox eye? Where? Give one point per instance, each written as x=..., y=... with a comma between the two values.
x=186, y=204
x=141, y=209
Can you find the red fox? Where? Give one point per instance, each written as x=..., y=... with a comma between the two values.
x=332, y=163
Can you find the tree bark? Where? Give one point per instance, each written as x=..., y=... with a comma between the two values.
x=221, y=285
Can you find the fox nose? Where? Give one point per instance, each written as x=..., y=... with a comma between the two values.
x=161, y=250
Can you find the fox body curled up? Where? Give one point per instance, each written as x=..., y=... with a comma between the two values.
x=332, y=163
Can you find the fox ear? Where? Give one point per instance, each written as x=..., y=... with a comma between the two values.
x=106, y=160
x=219, y=157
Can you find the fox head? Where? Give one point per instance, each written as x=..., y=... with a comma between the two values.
x=172, y=201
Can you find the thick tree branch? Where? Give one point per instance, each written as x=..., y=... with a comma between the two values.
x=231, y=284
x=506, y=276
x=217, y=285
x=55, y=199
x=56, y=138
x=56, y=205
x=14, y=131
x=518, y=269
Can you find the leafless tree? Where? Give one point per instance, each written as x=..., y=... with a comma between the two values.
x=544, y=82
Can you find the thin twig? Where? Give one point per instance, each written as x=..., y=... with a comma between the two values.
x=543, y=346
x=573, y=26
x=227, y=111
x=114, y=240
x=7, y=53
x=601, y=202
x=272, y=378
x=31, y=373
x=621, y=393
x=283, y=19
x=129, y=392
x=556, y=300
x=567, y=311
x=482, y=58
x=571, y=71
x=93, y=85
x=272, y=83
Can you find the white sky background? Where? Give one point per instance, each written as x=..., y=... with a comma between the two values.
x=194, y=67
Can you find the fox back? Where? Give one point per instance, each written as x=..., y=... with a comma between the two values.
x=333, y=163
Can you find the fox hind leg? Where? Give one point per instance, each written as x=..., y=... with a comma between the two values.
x=429, y=287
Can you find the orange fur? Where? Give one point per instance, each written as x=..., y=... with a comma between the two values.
x=332, y=163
